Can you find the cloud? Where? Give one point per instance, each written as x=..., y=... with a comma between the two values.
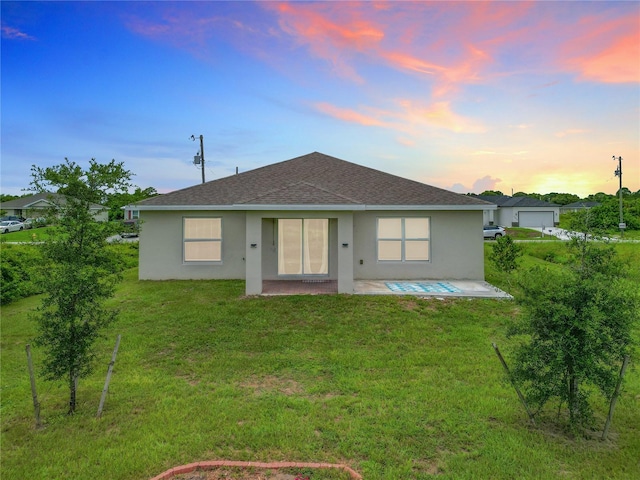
x=480, y=185
x=605, y=50
x=348, y=115
x=570, y=131
x=12, y=33
x=408, y=116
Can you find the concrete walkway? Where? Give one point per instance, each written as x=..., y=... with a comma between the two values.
x=429, y=288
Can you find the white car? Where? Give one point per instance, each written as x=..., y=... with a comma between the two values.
x=7, y=226
x=493, y=231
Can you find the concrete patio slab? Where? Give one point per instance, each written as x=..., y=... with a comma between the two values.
x=429, y=288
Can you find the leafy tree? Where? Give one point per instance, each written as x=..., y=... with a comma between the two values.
x=577, y=327
x=563, y=198
x=505, y=253
x=492, y=192
x=81, y=273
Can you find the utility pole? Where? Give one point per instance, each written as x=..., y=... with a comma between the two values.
x=618, y=173
x=200, y=158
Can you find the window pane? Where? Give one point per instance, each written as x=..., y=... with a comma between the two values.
x=205, y=228
x=290, y=246
x=416, y=250
x=316, y=246
x=389, y=228
x=390, y=250
x=416, y=228
x=202, y=251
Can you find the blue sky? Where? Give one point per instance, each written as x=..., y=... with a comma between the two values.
x=468, y=96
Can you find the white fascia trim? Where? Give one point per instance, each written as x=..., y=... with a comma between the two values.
x=431, y=207
x=174, y=208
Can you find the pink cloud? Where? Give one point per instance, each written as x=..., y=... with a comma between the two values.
x=604, y=50
x=349, y=115
x=15, y=34
x=408, y=117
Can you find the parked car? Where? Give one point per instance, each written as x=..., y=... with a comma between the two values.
x=15, y=218
x=494, y=231
x=130, y=228
x=7, y=226
x=28, y=223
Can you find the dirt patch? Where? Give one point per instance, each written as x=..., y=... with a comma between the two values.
x=272, y=383
x=238, y=474
x=252, y=473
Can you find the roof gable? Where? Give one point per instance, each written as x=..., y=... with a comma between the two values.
x=313, y=179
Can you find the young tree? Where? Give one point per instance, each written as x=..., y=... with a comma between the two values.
x=578, y=323
x=505, y=253
x=80, y=273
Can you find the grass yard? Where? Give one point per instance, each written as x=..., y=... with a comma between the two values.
x=518, y=233
x=395, y=387
x=31, y=235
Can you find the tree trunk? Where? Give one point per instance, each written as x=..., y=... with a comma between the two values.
x=73, y=384
x=574, y=413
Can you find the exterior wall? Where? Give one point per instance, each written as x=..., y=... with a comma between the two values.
x=456, y=244
x=262, y=260
x=161, y=244
x=249, y=247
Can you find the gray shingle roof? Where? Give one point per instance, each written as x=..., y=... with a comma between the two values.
x=27, y=201
x=313, y=179
x=507, y=201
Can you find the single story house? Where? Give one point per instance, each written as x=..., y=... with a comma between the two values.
x=34, y=206
x=578, y=206
x=521, y=212
x=310, y=218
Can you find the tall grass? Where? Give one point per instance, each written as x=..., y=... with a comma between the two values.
x=396, y=387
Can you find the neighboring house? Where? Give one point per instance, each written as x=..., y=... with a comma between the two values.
x=520, y=212
x=34, y=206
x=578, y=206
x=130, y=214
x=313, y=217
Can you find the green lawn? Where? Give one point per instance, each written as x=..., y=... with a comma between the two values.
x=518, y=233
x=395, y=387
x=31, y=235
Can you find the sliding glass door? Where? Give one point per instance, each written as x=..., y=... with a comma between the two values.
x=303, y=246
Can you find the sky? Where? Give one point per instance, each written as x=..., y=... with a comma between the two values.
x=468, y=96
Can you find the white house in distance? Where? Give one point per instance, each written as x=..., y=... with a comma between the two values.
x=520, y=212
x=33, y=206
x=311, y=217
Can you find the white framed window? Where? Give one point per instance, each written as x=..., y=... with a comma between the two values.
x=202, y=239
x=403, y=239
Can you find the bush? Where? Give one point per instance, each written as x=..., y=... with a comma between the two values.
x=19, y=267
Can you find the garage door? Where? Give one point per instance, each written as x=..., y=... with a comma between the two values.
x=536, y=219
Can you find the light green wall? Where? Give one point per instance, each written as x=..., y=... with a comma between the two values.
x=456, y=248
x=161, y=247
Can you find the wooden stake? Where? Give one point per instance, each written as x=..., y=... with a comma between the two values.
x=106, y=383
x=34, y=393
x=504, y=364
x=614, y=399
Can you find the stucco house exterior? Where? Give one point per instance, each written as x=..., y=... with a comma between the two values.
x=521, y=212
x=33, y=206
x=311, y=217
